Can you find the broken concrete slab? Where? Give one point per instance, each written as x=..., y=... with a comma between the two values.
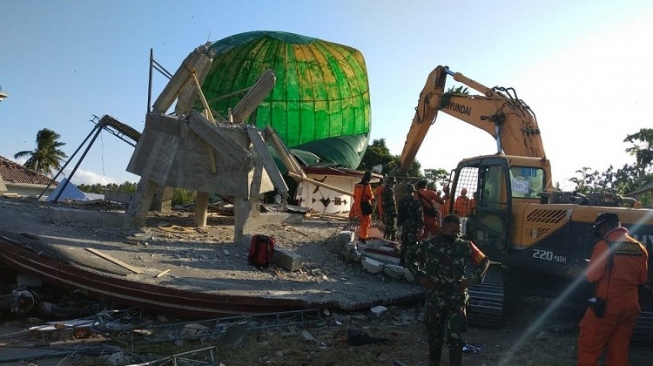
x=394, y=271
x=287, y=259
x=408, y=276
x=345, y=237
x=371, y=265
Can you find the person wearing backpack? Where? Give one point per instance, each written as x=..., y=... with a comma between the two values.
x=618, y=264
x=361, y=208
x=428, y=199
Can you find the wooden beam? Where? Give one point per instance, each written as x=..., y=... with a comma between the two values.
x=269, y=164
x=318, y=183
x=284, y=154
x=114, y=260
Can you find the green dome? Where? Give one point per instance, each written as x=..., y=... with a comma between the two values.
x=321, y=92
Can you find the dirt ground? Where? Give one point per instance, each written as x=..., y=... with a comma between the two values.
x=526, y=338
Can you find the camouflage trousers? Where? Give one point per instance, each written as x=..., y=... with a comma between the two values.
x=390, y=231
x=409, y=235
x=445, y=320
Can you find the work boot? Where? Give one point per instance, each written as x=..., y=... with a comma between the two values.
x=435, y=354
x=456, y=356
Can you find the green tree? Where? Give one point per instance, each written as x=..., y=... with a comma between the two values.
x=47, y=155
x=633, y=176
x=628, y=178
x=439, y=175
x=378, y=154
x=586, y=182
x=642, y=150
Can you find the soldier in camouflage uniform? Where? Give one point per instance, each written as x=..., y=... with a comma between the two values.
x=438, y=263
x=389, y=209
x=410, y=219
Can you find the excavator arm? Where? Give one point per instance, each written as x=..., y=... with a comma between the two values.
x=497, y=111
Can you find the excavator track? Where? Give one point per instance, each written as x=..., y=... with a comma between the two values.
x=486, y=300
x=643, y=332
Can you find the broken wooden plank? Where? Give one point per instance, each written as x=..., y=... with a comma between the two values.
x=162, y=273
x=114, y=260
x=318, y=183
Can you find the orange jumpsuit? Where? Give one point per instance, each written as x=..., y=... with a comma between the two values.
x=463, y=206
x=379, y=201
x=630, y=269
x=362, y=192
x=444, y=208
x=431, y=224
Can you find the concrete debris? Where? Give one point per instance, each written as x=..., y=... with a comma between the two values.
x=408, y=276
x=371, y=265
x=194, y=329
x=307, y=336
x=114, y=359
x=290, y=261
x=351, y=253
x=394, y=271
x=378, y=312
x=345, y=237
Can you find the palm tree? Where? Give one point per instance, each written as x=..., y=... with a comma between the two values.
x=47, y=155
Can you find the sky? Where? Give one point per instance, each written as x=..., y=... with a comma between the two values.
x=584, y=67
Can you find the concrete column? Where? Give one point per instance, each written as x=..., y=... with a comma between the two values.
x=140, y=204
x=201, y=207
x=163, y=199
x=242, y=209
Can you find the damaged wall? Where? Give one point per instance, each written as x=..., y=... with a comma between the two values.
x=171, y=154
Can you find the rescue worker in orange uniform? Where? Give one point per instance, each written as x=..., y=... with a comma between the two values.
x=463, y=205
x=618, y=265
x=428, y=199
x=362, y=208
x=379, y=201
x=463, y=208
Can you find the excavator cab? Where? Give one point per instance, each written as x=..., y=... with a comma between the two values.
x=498, y=182
x=488, y=225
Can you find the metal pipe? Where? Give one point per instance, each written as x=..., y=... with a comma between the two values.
x=99, y=128
x=149, y=86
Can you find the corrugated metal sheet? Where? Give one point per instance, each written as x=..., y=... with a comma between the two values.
x=321, y=92
x=13, y=172
x=71, y=192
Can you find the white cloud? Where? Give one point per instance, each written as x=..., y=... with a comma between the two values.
x=88, y=177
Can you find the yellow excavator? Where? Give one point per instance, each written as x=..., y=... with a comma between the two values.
x=541, y=236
